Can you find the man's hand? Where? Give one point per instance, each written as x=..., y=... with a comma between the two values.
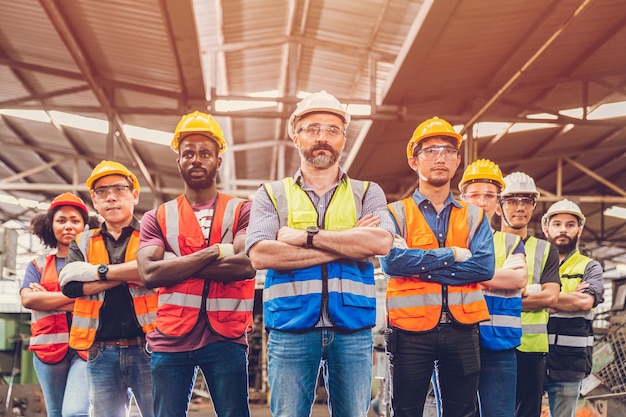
x=399, y=242
x=514, y=261
x=291, y=236
x=369, y=220
x=78, y=271
x=461, y=254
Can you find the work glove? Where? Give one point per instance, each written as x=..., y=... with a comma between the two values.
x=461, y=254
x=532, y=289
x=399, y=242
x=78, y=271
x=225, y=249
x=169, y=255
x=513, y=262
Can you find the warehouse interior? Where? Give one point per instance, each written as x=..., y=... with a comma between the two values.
x=536, y=86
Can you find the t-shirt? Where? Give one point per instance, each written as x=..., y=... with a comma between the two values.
x=32, y=275
x=201, y=334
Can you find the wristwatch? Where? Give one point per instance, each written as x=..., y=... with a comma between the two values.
x=102, y=271
x=310, y=232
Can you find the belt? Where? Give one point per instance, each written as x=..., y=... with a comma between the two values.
x=445, y=318
x=124, y=343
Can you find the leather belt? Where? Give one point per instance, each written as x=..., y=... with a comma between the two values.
x=124, y=343
x=445, y=318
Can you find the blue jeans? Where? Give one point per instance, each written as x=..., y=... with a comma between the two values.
x=294, y=363
x=498, y=382
x=225, y=369
x=115, y=375
x=563, y=397
x=63, y=386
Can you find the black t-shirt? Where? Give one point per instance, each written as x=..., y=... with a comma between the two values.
x=117, y=315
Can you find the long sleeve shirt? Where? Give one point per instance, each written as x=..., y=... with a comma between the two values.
x=438, y=265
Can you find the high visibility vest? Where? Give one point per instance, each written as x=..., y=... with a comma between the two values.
x=414, y=304
x=86, y=320
x=228, y=305
x=293, y=300
x=49, y=329
x=535, y=323
x=503, y=330
x=570, y=334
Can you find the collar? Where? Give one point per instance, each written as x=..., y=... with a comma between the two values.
x=419, y=198
x=134, y=225
x=299, y=179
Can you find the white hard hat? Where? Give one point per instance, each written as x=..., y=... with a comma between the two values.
x=317, y=102
x=563, y=207
x=519, y=183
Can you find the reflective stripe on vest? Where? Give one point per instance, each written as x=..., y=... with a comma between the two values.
x=504, y=329
x=228, y=304
x=570, y=334
x=292, y=300
x=49, y=329
x=414, y=304
x=535, y=323
x=86, y=319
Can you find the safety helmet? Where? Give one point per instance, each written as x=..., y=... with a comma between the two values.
x=200, y=123
x=105, y=168
x=430, y=128
x=519, y=183
x=317, y=102
x=69, y=199
x=563, y=207
x=482, y=170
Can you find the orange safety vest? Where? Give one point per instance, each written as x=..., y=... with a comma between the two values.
x=228, y=305
x=414, y=304
x=49, y=329
x=87, y=308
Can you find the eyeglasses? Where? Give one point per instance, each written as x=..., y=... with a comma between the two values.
x=488, y=197
x=431, y=154
x=314, y=131
x=118, y=190
x=517, y=201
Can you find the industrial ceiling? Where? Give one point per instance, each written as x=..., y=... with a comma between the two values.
x=143, y=64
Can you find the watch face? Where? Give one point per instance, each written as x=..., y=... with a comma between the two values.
x=103, y=269
x=312, y=229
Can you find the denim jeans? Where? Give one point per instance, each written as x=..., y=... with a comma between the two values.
x=63, y=386
x=225, y=369
x=115, y=375
x=295, y=361
x=563, y=397
x=498, y=382
x=455, y=349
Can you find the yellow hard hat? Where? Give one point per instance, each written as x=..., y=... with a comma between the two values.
x=431, y=128
x=200, y=123
x=105, y=168
x=482, y=170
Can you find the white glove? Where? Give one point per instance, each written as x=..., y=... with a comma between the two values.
x=461, y=254
x=513, y=262
x=169, y=255
x=225, y=249
x=78, y=271
x=532, y=289
x=399, y=242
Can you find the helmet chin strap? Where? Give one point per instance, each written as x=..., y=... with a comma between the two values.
x=508, y=223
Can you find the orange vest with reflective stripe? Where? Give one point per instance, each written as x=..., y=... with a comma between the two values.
x=414, y=304
x=86, y=318
x=49, y=329
x=228, y=305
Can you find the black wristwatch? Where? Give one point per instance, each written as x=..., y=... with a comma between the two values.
x=310, y=232
x=102, y=271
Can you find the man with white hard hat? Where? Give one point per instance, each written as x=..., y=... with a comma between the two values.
x=517, y=204
x=570, y=328
x=314, y=232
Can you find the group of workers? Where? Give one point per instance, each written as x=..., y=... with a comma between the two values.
x=126, y=309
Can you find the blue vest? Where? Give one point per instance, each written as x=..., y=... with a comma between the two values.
x=503, y=330
x=293, y=299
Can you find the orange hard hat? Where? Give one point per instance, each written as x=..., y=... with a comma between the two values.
x=69, y=199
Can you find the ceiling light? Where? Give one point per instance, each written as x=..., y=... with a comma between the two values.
x=616, y=211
